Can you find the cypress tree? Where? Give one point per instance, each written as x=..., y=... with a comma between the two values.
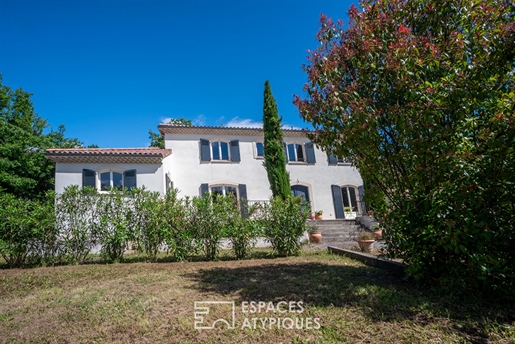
x=275, y=160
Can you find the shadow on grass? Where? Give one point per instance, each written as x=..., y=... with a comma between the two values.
x=379, y=295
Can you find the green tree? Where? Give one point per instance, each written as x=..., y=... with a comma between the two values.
x=24, y=170
x=275, y=161
x=157, y=140
x=420, y=95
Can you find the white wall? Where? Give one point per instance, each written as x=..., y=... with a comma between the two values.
x=149, y=175
x=187, y=171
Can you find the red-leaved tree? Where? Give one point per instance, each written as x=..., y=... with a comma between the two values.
x=420, y=96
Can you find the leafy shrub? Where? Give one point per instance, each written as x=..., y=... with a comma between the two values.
x=284, y=222
x=178, y=239
x=18, y=229
x=242, y=231
x=113, y=215
x=145, y=222
x=207, y=220
x=46, y=250
x=76, y=222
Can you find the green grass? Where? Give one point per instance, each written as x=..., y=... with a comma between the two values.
x=143, y=302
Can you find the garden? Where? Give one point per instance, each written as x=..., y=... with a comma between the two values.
x=67, y=228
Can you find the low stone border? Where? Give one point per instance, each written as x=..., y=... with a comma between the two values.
x=393, y=267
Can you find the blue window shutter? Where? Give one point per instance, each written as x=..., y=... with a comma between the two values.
x=129, y=179
x=88, y=178
x=242, y=189
x=235, y=151
x=338, y=202
x=285, y=151
x=204, y=189
x=205, y=150
x=310, y=153
x=333, y=160
x=361, y=192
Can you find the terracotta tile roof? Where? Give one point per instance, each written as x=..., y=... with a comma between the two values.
x=109, y=155
x=233, y=131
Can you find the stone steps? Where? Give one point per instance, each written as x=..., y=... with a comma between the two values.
x=336, y=230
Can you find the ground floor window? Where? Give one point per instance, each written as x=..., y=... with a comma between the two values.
x=109, y=179
x=300, y=191
x=224, y=190
x=349, y=198
x=346, y=201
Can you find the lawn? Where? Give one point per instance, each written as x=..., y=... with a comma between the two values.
x=142, y=302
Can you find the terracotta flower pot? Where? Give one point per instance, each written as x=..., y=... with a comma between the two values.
x=318, y=217
x=315, y=237
x=366, y=245
x=378, y=234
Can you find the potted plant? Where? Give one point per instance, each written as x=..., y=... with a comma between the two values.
x=318, y=214
x=366, y=241
x=377, y=231
x=349, y=213
x=315, y=236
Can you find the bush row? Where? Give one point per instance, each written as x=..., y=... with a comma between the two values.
x=69, y=226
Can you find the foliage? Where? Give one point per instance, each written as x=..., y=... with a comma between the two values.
x=242, y=231
x=18, y=229
x=76, y=223
x=179, y=241
x=145, y=223
x=284, y=223
x=24, y=170
x=207, y=219
x=157, y=140
x=46, y=249
x=364, y=235
x=69, y=226
x=312, y=229
x=420, y=95
x=113, y=212
x=275, y=161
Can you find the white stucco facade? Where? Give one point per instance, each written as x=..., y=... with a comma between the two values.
x=151, y=176
x=197, y=160
x=188, y=172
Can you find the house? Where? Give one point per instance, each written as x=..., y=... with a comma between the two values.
x=220, y=160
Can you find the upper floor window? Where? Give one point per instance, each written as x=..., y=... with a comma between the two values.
x=260, y=150
x=337, y=160
x=299, y=152
x=295, y=152
x=219, y=150
x=109, y=179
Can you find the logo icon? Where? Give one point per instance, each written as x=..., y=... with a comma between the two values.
x=209, y=313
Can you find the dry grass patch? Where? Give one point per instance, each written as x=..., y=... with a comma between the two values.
x=142, y=302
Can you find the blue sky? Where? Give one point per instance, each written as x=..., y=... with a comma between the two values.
x=111, y=70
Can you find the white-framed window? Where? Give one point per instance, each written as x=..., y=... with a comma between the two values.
x=111, y=179
x=349, y=197
x=104, y=180
x=259, y=151
x=220, y=150
x=295, y=152
x=337, y=160
x=239, y=191
x=224, y=190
